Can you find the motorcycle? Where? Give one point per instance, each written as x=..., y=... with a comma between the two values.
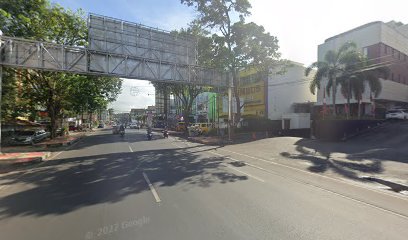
x=165, y=134
x=149, y=135
x=122, y=133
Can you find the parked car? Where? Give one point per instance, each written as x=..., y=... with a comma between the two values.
x=396, y=114
x=101, y=125
x=29, y=137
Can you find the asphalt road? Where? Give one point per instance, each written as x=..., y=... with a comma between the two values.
x=108, y=187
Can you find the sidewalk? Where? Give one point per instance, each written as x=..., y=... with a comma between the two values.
x=16, y=155
x=61, y=141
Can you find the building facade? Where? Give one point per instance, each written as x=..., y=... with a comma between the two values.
x=288, y=89
x=384, y=44
x=272, y=96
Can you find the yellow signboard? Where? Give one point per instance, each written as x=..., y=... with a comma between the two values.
x=252, y=95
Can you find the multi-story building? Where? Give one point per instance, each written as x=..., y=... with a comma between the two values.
x=137, y=113
x=205, y=107
x=384, y=44
x=274, y=96
x=162, y=103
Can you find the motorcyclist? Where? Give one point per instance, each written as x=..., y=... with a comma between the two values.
x=122, y=128
x=165, y=132
x=149, y=133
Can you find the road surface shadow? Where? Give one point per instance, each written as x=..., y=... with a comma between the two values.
x=363, y=154
x=396, y=187
x=62, y=186
x=323, y=162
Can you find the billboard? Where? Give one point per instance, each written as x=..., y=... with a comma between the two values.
x=125, y=38
x=252, y=95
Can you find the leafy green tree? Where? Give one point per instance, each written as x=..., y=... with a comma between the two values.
x=92, y=93
x=40, y=20
x=332, y=68
x=236, y=45
x=185, y=93
x=359, y=73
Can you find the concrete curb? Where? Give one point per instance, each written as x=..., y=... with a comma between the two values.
x=59, y=144
x=21, y=160
x=220, y=142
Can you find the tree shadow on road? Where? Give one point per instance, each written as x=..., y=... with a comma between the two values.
x=62, y=186
x=323, y=161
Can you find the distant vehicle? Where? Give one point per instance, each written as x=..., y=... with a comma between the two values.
x=396, y=114
x=101, y=125
x=165, y=133
x=29, y=137
x=134, y=126
x=181, y=127
x=149, y=134
x=203, y=127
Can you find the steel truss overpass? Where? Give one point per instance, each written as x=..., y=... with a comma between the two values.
x=116, y=48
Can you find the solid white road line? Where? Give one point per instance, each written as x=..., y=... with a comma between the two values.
x=249, y=175
x=130, y=148
x=54, y=156
x=155, y=195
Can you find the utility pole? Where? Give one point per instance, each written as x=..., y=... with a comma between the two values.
x=230, y=85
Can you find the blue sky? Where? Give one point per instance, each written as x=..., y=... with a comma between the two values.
x=299, y=25
x=164, y=14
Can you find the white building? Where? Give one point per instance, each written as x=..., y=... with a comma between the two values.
x=288, y=89
x=383, y=43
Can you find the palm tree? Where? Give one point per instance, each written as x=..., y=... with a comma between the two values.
x=359, y=73
x=331, y=69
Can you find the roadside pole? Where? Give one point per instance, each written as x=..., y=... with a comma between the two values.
x=229, y=107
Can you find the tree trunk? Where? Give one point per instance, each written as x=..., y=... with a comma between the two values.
x=90, y=120
x=186, y=114
x=53, y=121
